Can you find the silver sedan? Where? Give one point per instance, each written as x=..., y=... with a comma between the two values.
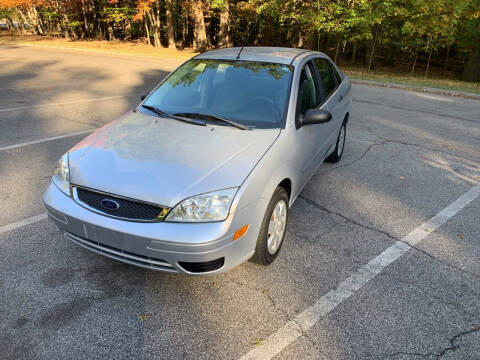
x=200, y=177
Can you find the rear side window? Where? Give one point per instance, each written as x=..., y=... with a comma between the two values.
x=337, y=75
x=326, y=76
x=308, y=92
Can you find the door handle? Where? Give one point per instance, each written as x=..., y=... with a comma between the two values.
x=340, y=98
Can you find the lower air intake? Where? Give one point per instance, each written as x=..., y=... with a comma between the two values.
x=200, y=267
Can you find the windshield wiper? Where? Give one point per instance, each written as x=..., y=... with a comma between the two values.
x=165, y=115
x=213, y=118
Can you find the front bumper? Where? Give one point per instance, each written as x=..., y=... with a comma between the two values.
x=184, y=248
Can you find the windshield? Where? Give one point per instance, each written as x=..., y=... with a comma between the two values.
x=254, y=94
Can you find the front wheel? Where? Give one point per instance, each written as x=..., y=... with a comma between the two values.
x=338, y=152
x=273, y=229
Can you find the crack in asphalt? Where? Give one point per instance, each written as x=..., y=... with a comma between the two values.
x=352, y=221
x=357, y=159
x=334, y=250
x=453, y=304
x=441, y=353
x=387, y=141
x=284, y=313
x=79, y=122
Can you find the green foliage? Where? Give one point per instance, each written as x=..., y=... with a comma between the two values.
x=118, y=14
x=406, y=27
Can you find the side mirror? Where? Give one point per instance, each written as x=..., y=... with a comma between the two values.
x=313, y=116
x=143, y=97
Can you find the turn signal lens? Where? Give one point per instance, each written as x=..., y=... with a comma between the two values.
x=240, y=232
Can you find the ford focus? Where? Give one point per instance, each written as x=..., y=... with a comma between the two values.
x=200, y=176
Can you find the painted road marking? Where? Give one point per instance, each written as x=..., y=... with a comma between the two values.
x=21, y=223
x=15, y=146
x=293, y=329
x=63, y=103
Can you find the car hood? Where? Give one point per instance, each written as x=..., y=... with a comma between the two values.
x=164, y=161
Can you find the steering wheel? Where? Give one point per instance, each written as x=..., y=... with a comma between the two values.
x=266, y=101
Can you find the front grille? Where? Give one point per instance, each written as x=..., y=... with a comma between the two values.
x=200, y=267
x=128, y=209
x=122, y=255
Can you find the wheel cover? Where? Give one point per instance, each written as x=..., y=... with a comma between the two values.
x=341, y=141
x=276, y=227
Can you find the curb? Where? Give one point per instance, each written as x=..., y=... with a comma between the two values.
x=464, y=95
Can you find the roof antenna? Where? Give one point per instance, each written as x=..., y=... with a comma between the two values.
x=246, y=39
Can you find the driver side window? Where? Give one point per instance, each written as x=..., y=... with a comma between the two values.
x=308, y=94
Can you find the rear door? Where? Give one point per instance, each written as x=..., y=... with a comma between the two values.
x=331, y=98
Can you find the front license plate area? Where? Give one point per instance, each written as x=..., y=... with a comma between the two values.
x=104, y=236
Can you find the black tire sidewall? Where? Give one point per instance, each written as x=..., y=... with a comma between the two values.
x=334, y=157
x=262, y=256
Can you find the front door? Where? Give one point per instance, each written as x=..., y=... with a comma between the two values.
x=312, y=140
x=332, y=100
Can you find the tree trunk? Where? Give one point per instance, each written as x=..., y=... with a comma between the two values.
x=390, y=55
x=414, y=63
x=446, y=59
x=85, y=21
x=65, y=25
x=268, y=31
x=339, y=41
x=154, y=17
x=301, y=40
x=9, y=25
x=373, y=50
x=428, y=63
x=23, y=20
x=170, y=30
x=35, y=20
x=147, y=32
x=200, y=35
x=353, y=60
x=224, y=34
x=471, y=71
x=111, y=35
x=128, y=30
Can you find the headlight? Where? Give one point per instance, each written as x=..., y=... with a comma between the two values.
x=61, y=175
x=213, y=206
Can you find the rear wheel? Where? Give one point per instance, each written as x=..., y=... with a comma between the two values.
x=273, y=228
x=338, y=152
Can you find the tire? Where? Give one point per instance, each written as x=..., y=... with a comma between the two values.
x=265, y=251
x=336, y=155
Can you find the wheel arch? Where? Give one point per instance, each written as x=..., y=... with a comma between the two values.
x=287, y=185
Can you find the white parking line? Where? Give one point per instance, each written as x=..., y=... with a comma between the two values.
x=63, y=103
x=293, y=329
x=34, y=86
x=19, y=224
x=45, y=140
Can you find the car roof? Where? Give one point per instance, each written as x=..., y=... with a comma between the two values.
x=281, y=55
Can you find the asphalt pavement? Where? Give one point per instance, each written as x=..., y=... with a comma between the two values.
x=381, y=258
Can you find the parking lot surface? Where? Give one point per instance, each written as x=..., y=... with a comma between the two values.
x=381, y=258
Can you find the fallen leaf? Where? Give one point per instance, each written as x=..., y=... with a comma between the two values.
x=257, y=342
x=144, y=317
x=460, y=236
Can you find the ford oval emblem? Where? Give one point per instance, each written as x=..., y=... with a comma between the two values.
x=110, y=204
